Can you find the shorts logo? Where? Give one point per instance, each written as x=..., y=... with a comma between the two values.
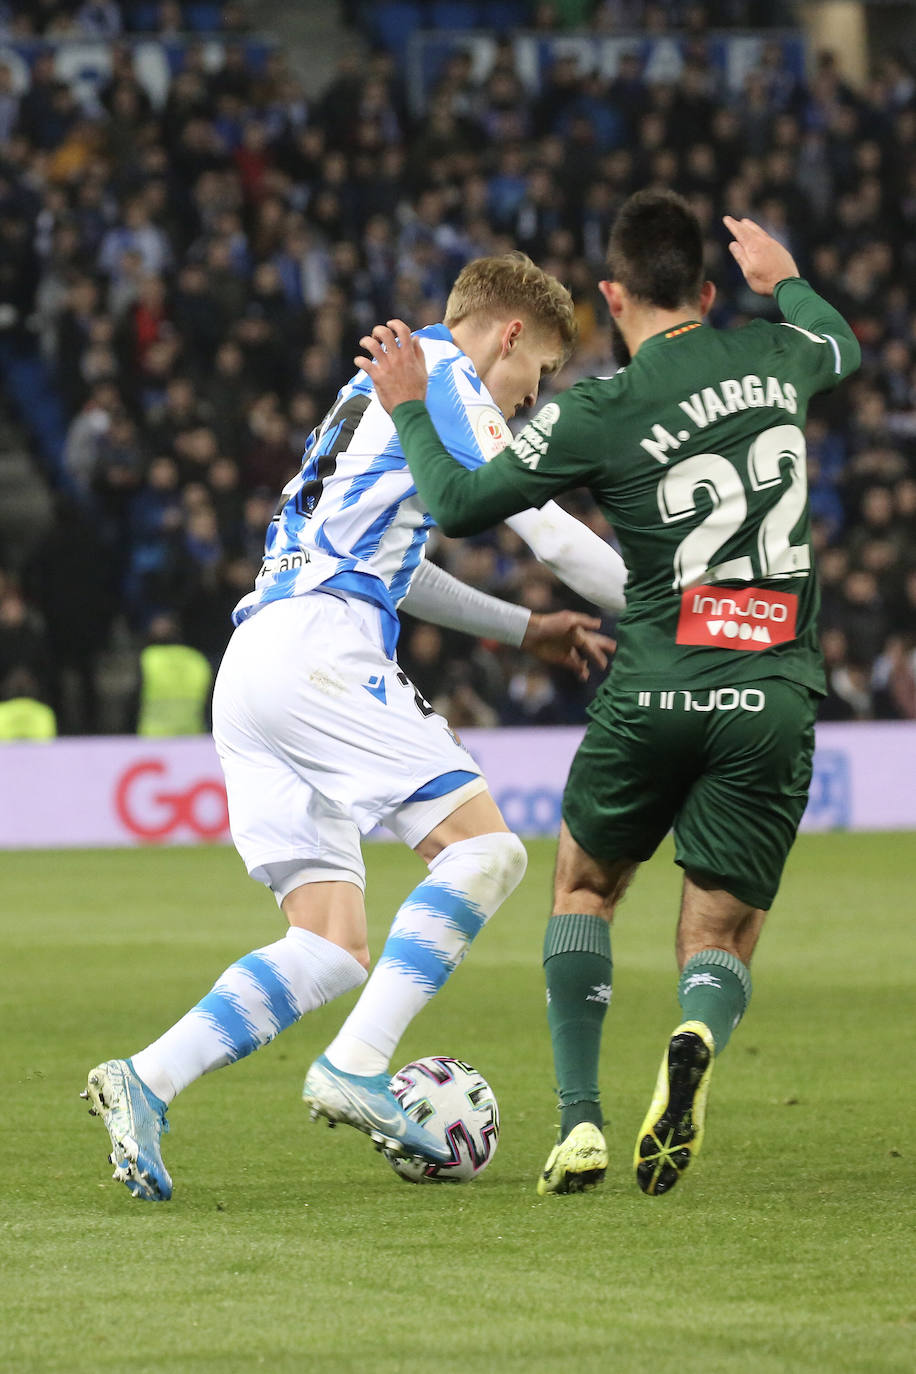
x=740, y=618
x=717, y=699
x=376, y=688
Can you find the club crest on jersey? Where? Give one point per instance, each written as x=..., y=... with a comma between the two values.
x=736, y=617
x=492, y=432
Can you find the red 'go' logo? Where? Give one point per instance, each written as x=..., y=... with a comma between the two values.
x=201, y=808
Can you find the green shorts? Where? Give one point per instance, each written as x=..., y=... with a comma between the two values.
x=729, y=769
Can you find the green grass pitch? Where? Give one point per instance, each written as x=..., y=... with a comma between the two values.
x=288, y=1247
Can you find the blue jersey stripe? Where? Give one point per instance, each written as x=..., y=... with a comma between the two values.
x=401, y=580
x=368, y=542
x=324, y=544
x=390, y=460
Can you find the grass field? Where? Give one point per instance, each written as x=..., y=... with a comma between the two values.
x=789, y=1247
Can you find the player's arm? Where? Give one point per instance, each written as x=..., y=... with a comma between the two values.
x=436, y=596
x=769, y=269
x=574, y=554
x=805, y=310
x=565, y=637
x=462, y=499
x=465, y=501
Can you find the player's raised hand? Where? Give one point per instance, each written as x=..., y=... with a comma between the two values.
x=763, y=259
x=568, y=638
x=395, y=365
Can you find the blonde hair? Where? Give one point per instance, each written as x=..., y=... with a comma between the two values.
x=512, y=283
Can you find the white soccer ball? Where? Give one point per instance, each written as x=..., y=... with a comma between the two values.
x=456, y=1104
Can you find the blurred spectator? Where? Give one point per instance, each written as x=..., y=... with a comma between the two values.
x=893, y=680
x=23, y=640
x=23, y=716
x=533, y=698
x=848, y=681
x=174, y=683
x=198, y=267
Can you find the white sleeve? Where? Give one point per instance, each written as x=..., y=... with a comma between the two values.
x=574, y=553
x=435, y=595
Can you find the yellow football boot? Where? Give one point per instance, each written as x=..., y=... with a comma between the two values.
x=672, y=1132
x=576, y=1163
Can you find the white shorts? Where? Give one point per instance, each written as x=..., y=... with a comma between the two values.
x=321, y=737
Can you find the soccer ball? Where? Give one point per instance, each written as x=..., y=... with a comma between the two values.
x=456, y=1104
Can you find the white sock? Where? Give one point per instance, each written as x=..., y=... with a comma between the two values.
x=428, y=939
x=248, y=1006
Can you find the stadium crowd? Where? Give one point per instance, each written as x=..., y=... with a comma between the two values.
x=191, y=278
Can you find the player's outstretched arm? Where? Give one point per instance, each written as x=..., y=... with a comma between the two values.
x=568, y=638
x=770, y=270
x=460, y=500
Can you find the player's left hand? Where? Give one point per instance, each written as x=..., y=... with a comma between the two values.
x=568, y=638
x=395, y=366
x=764, y=261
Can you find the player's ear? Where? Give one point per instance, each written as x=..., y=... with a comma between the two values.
x=707, y=296
x=613, y=295
x=511, y=334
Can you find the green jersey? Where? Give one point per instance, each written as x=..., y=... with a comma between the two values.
x=695, y=453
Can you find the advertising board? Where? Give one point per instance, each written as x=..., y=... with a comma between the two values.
x=130, y=791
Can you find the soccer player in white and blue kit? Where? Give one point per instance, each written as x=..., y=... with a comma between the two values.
x=321, y=736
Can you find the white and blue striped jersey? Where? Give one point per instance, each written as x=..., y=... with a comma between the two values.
x=351, y=519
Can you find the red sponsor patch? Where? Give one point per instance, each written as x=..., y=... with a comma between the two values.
x=736, y=618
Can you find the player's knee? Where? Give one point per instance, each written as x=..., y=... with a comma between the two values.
x=358, y=952
x=334, y=966
x=511, y=860
x=487, y=867
x=505, y=861
x=362, y=956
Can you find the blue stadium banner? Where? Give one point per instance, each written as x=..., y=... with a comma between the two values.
x=729, y=54
x=85, y=64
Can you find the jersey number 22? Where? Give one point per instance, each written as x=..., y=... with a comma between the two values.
x=694, y=560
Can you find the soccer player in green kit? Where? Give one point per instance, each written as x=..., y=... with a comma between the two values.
x=695, y=452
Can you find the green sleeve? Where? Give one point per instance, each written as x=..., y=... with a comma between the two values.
x=820, y=338
x=463, y=500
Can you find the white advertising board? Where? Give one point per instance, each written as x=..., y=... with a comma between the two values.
x=129, y=791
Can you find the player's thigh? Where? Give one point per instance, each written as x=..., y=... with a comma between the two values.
x=627, y=779
x=287, y=834
x=473, y=812
x=741, y=817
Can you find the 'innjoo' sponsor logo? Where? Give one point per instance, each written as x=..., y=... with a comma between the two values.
x=154, y=812
x=737, y=618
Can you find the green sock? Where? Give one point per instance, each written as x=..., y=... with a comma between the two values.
x=715, y=988
x=578, y=969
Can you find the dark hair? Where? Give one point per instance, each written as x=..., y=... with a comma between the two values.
x=656, y=249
